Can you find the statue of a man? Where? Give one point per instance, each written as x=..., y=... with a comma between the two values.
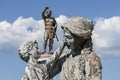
x=78, y=60
x=39, y=67
x=50, y=28
x=81, y=62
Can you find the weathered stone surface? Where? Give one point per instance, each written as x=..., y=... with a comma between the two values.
x=81, y=63
x=29, y=52
x=86, y=66
x=76, y=62
x=79, y=26
x=93, y=66
x=40, y=66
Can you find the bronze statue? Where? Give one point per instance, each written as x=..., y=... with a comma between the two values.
x=50, y=28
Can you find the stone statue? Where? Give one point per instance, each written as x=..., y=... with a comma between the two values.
x=81, y=62
x=50, y=28
x=39, y=67
x=77, y=61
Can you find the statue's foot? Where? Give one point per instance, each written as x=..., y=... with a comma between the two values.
x=50, y=52
x=44, y=52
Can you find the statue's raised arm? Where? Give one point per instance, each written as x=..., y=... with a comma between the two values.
x=44, y=11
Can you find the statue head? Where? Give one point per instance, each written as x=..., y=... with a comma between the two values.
x=28, y=49
x=79, y=30
x=79, y=26
x=49, y=13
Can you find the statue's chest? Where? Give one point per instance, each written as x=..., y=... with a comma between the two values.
x=49, y=20
x=74, y=65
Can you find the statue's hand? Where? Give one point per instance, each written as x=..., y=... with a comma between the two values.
x=46, y=7
x=65, y=41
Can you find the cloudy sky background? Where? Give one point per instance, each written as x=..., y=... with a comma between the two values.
x=21, y=21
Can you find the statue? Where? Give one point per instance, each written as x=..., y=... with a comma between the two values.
x=50, y=28
x=77, y=61
x=39, y=66
x=81, y=62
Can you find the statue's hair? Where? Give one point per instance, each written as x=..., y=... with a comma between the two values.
x=25, y=48
x=76, y=24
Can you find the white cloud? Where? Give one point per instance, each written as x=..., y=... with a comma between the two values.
x=106, y=36
x=23, y=29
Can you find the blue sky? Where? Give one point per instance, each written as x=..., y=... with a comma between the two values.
x=17, y=16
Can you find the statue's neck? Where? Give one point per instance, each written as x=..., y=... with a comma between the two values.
x=75, y=52
x=32, y=60
x=78, y=49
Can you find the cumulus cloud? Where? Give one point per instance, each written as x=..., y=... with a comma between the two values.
x=24, y=29
x=106, y=36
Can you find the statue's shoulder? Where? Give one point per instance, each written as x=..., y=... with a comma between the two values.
x=94, y=59
x=93, y=55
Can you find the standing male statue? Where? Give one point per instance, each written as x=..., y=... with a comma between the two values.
x=50, y=28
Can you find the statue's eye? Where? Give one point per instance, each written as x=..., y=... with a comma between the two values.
x=69, y=37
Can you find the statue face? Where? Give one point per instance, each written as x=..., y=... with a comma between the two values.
x=34, y=49
x=27, y=49
x=69, y=39
x=48, y=12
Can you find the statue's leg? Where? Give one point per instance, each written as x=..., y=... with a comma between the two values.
x=45, y=40
x=51, y=35
x=50, y=44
